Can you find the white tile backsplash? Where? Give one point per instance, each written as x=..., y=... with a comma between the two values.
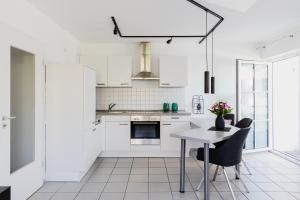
x=139, y=98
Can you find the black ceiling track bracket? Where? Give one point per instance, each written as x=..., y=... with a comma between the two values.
x=117, y=30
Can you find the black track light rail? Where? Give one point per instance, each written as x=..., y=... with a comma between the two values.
x=203, y=37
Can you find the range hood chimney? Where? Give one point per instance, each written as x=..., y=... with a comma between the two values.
x=145, y=63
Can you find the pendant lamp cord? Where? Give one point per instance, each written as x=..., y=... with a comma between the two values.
x=206, y=43
x=212, y=53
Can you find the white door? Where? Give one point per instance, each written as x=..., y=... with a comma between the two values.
x=254, y=101
x=27, y=175
x=119, y=71
x=89, y=114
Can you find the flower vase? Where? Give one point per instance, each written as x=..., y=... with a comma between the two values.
x=220, y=123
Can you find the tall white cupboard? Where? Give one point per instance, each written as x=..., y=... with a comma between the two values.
x=71, y=128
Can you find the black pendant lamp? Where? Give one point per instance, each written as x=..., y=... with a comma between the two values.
x=206, y=73
x=212, y=79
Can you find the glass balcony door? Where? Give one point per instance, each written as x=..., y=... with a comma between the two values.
x=253, y=100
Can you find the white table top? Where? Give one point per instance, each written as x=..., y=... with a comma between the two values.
x=202, y=134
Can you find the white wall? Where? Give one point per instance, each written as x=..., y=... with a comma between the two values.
x=59, y=46
x=24, y=27
x=225, y=64
x=286, y=105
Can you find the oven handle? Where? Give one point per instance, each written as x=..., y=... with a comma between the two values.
x=146, y=123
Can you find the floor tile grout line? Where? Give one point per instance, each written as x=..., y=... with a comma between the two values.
x=168, y=179
x=108, y=178
x=128, y=179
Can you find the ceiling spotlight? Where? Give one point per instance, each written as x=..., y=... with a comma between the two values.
x=169, y=41
x=116, y=30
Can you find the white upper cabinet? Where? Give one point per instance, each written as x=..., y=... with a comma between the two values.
x=119, y=71
x=173, y=71
x=99, y=63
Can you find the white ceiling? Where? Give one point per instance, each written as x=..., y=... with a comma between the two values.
x=246, y=21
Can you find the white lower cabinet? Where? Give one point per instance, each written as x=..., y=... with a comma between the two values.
x=100, y=140
x=117, y=136
x=168, y=143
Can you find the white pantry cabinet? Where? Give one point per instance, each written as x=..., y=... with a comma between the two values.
x=172, y=125
x=173, y=71
x=119, y=71
x=117, y=133
x=99, y=62
x=70, y=122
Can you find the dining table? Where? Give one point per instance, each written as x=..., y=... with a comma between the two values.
x=199, y=132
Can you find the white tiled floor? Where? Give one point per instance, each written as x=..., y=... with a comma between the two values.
x=158, y=179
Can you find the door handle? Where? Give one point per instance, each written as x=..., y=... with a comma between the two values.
x=123, y=124
x=5, y=118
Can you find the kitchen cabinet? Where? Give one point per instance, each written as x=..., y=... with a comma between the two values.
x=119, y=71
x=118, y=133
x=173, y=71
x=70, y=122
x=99, y=63
x=101, y=134
x=168, y=143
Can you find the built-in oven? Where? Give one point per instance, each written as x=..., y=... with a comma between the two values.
x=145, y=129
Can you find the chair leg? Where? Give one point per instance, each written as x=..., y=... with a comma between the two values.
x=239, y=176
x=228, y=183
x=246, y=166
x=216, y=173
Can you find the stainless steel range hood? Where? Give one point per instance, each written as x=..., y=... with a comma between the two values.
x=145, y=64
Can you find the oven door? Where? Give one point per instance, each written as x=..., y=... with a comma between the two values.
x=143, y=132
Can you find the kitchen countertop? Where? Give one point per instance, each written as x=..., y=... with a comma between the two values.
x=140, y=112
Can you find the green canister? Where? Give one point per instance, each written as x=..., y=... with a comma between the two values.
x=166, y=107
x=174, y=107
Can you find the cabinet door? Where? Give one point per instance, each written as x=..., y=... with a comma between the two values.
x=98, y=62
x=173, y=71
x=101, y=136
x=117, y=136
x=119, y=71
x=169, y=143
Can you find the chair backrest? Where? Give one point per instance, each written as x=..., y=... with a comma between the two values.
x=230, y=153
x=244, y=123
x=229, y=117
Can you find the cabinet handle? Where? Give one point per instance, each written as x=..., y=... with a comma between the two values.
x=101, y=84
x=174, y=117
x=123, y=124
x=124, y=83
x=165, y=84
x=167, y=124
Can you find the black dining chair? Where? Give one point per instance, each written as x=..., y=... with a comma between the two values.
x=243, y=123
x=227, y=155
x=230, y=117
